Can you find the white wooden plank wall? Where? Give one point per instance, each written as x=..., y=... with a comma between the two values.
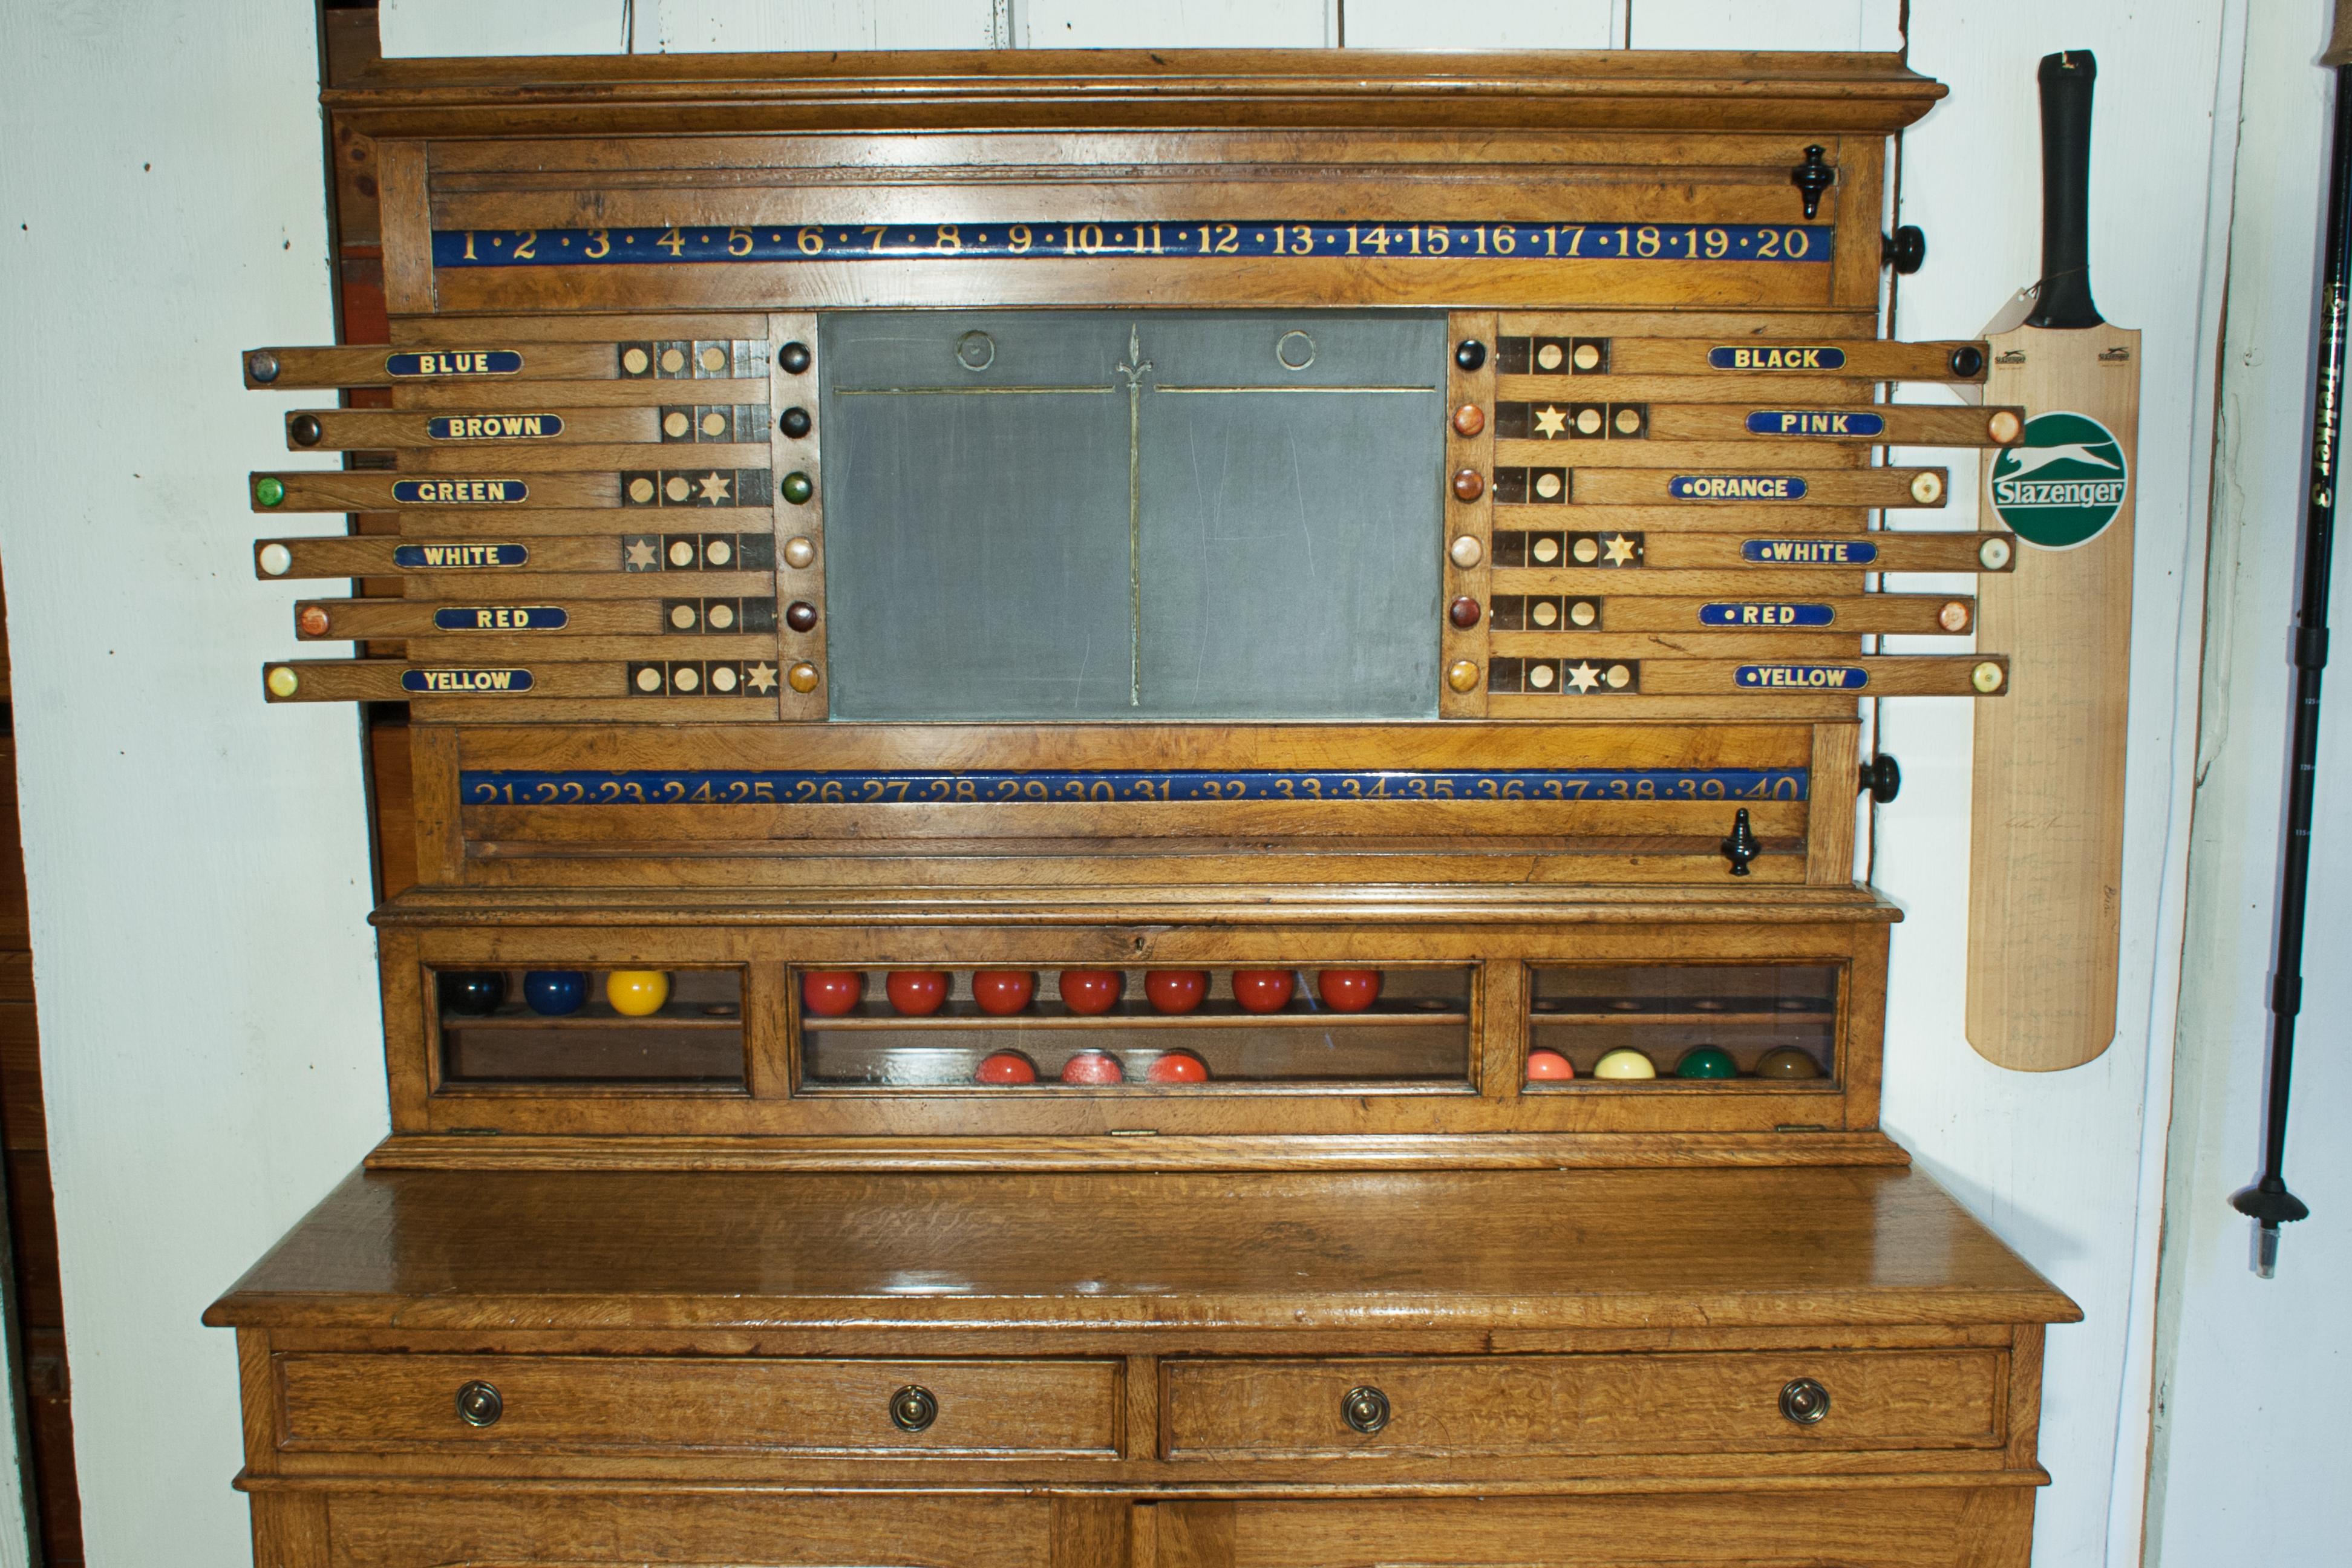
x=208, y=997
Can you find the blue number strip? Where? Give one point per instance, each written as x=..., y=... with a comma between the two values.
x=505, y=787
x=654, y=245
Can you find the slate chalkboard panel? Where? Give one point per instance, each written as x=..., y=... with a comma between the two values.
x=1103, y=515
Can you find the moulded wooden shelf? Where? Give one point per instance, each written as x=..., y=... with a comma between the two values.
x=1543, y=1015
x=601, y=1018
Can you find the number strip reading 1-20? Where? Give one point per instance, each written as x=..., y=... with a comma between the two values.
x=1603, y=786
x=656, y=246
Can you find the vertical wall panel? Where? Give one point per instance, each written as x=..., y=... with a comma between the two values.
x=1176, y=24
x=1746, y=25
x=1485, y=25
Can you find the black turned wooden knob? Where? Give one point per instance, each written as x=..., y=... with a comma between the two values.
x=794, y=422
x=1365, y=1409
x=913, y=1408
x=1741, y=846
x=800, y=614
x=1804, y=1402
x=1883, y=777
x=1469, y=354
x=479, y=1404
x=262, y=365
x=1811, y=177
x=304, y=429
x=1905, y=249
x=1968, y=360
x=794, y=357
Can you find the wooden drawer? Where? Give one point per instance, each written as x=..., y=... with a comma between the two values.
x=1585, y=1404
x=571, y=1404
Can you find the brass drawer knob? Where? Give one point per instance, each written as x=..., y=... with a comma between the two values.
x=913, y=1408
x=479, y=1404
x=1365, y=1409
x=1804, y=1401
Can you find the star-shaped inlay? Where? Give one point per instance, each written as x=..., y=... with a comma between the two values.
x=1584, y=678
x=761, y=678
x=1550, y=421
x=640, y=554
x=1620, y=548
x=714, y=488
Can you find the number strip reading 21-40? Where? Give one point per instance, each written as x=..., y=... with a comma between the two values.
x=657, y=245
x=1604, y=785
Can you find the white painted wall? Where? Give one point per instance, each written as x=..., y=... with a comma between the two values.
x=200, y=1100
x=198, y=863
x=2255, y=1380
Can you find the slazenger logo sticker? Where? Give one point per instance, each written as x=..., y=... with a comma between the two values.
x=2063, y=485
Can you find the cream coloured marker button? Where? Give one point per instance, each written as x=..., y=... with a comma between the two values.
x=1541, y=677
x=718, y=552
x=1987, y=677
x=1928, y=488
x=1548, y=357
x=1587, y=421
x=714, y=425
x=1628, y=420
x=800, y=552
x=2003, y=426
x=641, y=489
x=721, y=617
x=1466, y=552
x=1588, y=356
x=686, y=677
x=1954, y=616
x=722, y=679
x=1545, y=613
x=672, y=361
x=1548, y=486
x=714, y=359
x=1545, y=550
x=682, y=616
x=650, y=678
x=1993, y=554
x=1587, y=551
x=283, y=682
x=1619, y=677
x=674, y=423
x=678, y=488
x=635, y=362
x=1584, y=613
x=277, y=560
x=681, y=552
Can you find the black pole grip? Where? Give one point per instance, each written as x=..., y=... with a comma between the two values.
x=2065, y=298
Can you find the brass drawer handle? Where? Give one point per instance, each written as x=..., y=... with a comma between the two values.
x=1365, y=1408
x=1804, y=1401
x=913, y=1408
x=479, y=1404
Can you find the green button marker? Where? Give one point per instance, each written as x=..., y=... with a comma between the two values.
x=268, y=493
x=797, y=487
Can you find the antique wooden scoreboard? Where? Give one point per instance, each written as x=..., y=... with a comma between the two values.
x=1132, y=782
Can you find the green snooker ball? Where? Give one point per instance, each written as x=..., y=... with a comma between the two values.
x=1706, y=1062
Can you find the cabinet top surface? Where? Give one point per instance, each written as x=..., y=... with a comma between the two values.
x=526, y=1250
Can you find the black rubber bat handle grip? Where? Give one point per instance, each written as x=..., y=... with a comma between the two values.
x=2064, y=299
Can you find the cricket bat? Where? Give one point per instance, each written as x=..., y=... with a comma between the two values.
x=2046, y=821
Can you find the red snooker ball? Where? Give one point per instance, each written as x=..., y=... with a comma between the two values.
x=1262, y=990
x=1178, y=1067
x=1091, y=991
x=1175, y=990
x=1093, y=1067
x=1005, y=1066
x=916, y=993
x=830, y=993
x=1348, y=990
x=1543, y=1064
x=1003, y=991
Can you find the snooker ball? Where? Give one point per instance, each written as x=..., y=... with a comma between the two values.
x=1003, y=991
x=1262, y=990
x=1625, y=1062
x=1004, y=1067
x=916, y=993
x=552, y=992
x=1178, y=1067
x=830, y=993
x=1348, y=990
x=1706, y=1062
x=1091, y=991
x=1093, y=1067
x=1787, y=1062
x=1175, y=990
x=635, y=993
x=1544, y=1066
x=472, y=993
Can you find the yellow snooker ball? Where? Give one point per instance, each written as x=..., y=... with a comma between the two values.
x=635, y=993
x=1625, y=1062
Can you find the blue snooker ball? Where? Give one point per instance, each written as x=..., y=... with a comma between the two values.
x=552, y=992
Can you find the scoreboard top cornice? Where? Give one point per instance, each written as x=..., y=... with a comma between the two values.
x=1012, y=89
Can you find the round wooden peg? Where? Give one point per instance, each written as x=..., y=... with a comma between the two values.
x=2003, y=426
x=1469, y=485
x=1463, y=612
x=1987, y=677
x=800, y=677
x=1469, y=419
x=1466, y=552
x=1462, y=675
